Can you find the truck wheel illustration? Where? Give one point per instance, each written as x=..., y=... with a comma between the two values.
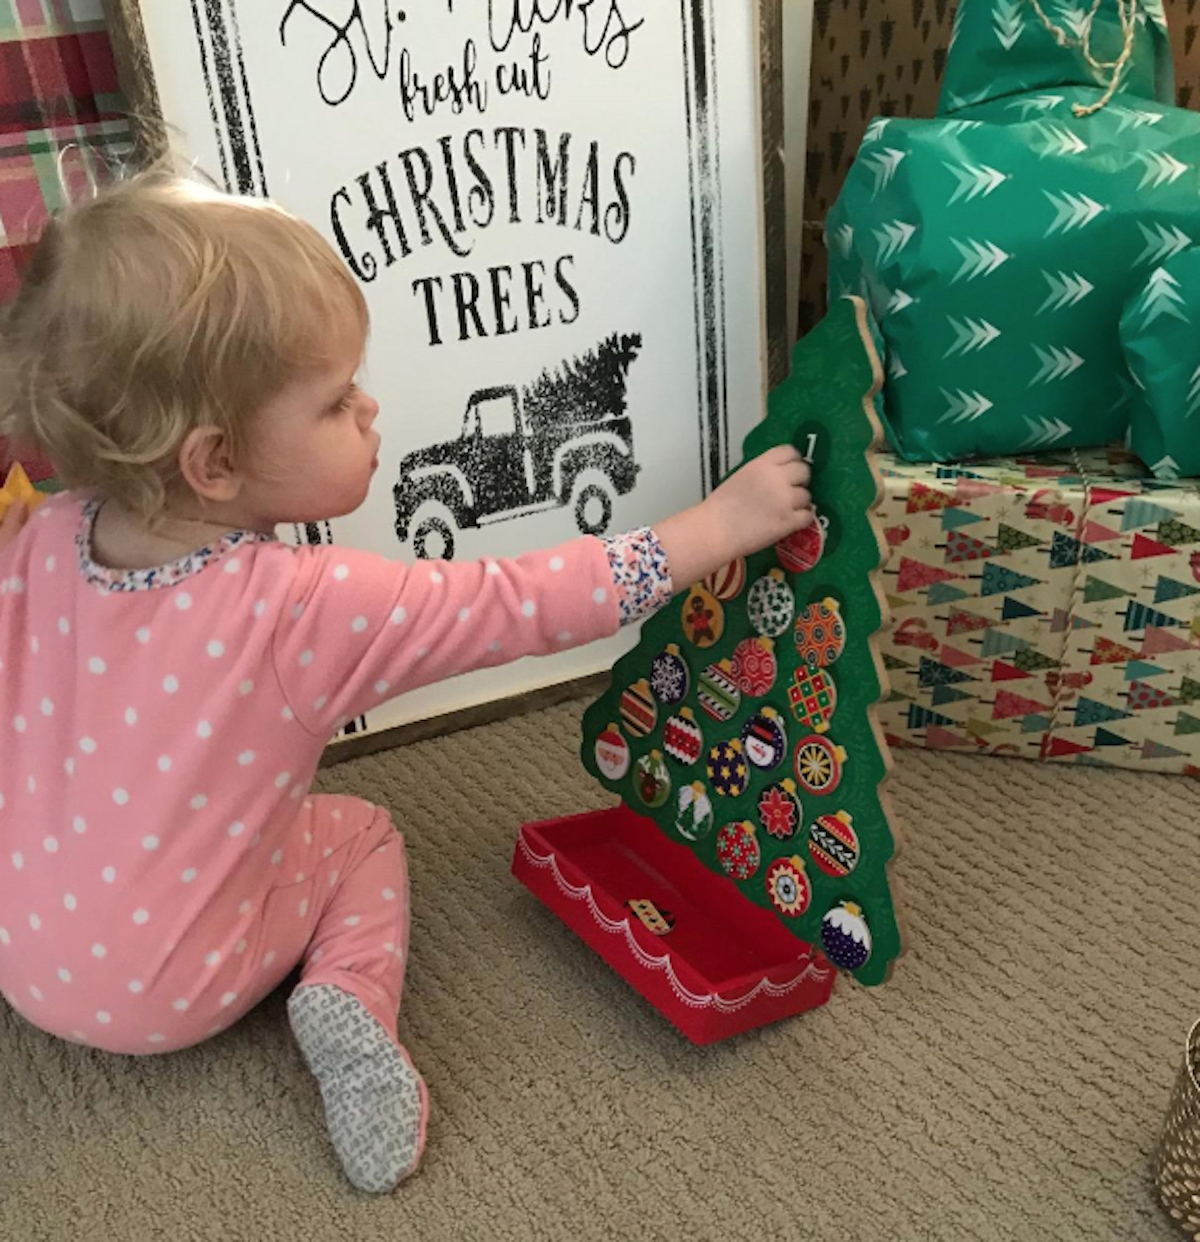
x=592, y=502
x=433, y=533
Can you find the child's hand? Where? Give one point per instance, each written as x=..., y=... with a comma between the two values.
x=763, y=502
x=15, y=517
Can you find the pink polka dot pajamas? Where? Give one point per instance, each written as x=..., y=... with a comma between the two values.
x=163, y=865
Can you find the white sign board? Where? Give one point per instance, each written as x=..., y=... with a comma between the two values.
x=554, y=210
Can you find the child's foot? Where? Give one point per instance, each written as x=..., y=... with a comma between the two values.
x=373, y=1096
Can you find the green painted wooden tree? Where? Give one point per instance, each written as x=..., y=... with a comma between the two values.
x=743, y=722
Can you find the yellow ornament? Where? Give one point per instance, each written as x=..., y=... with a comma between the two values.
x=17, y=487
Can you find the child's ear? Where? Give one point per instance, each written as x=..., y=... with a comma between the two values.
x=207, y=466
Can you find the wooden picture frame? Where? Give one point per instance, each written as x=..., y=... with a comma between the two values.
x=154, y=132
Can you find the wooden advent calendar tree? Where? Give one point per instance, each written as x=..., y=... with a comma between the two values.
x=740, y=736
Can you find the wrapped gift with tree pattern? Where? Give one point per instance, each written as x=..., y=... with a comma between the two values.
x=1046, y=608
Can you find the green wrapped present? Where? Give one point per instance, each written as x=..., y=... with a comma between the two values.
x=999, y=244
x=1160, y=331
x=1002, y=48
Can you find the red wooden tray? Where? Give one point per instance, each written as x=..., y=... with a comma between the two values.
x=726, y=965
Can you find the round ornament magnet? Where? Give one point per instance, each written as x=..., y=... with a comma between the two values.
x=669, y=676
x=612, y=754
x=818, y=764
x=813, y=697
x=833, y=843
x=718, y=693
x=652, y=779
x=728, y=772
x=845, y=936
x=820, y=634
x=737, y=849
x=703, y=618
x=755, y=666
x=802, y=550
x=771, y=604
x=694, y=817
x=682, y=739
x=779, y=809
x=764, y=739
x=788, y=886
x=727, y=583
x=638, y=709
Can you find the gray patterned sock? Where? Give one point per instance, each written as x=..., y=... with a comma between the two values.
x=372, y=1094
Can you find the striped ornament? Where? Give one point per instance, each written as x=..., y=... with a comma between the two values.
x=729, y=581
x=638, y=709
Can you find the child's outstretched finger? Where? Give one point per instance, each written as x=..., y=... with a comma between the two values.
x=796, y=473
x=792, y=468
x=782, y=453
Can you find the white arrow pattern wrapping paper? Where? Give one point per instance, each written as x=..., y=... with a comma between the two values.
x=1161, y=341
x=1000, y=243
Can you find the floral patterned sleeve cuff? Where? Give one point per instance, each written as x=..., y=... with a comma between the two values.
x=640, y=573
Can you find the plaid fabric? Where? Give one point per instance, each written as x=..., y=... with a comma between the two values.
x=61, y=118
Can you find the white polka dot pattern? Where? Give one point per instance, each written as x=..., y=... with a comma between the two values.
x=188, y=707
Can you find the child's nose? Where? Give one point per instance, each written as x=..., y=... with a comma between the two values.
x=369, y=410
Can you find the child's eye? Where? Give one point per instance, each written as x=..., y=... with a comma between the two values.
x=347, y=399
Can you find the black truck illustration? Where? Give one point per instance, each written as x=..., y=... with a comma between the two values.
x=565, y=439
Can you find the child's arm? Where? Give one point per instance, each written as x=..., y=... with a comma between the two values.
x=765, y=501
x=359, y=629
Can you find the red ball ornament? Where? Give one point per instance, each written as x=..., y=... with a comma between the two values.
x=802, y=550
x=813, y=697
x=755, y=666
x=818, y=763
x=788, y=887
x=833, y=843
x=820, y=634
x=737, y=848
x=682, y=738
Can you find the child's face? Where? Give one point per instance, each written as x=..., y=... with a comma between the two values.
x=315, y=447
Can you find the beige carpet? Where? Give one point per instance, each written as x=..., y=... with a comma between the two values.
x=1008, y=1083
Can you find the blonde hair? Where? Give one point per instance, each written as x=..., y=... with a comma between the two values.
x=156, y=307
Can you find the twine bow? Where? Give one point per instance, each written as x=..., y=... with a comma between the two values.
x=1127, y=11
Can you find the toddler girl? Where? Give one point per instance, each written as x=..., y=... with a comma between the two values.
x=170, y=672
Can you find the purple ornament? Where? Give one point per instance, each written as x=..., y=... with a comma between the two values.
x=845, y=936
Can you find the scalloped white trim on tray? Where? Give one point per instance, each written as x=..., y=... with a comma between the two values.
x=615, y=927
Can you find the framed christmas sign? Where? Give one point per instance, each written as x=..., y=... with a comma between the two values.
x=562, y=219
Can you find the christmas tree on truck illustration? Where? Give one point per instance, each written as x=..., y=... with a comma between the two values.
x=566, y=439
